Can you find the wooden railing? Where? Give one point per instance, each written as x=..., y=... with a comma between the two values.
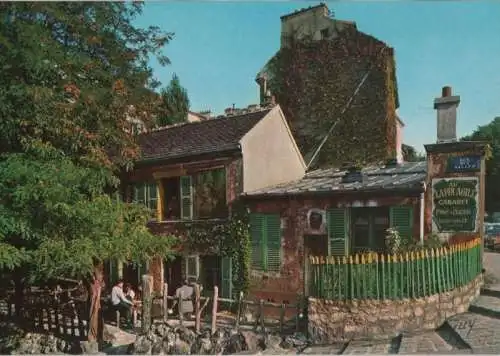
x=209, y=310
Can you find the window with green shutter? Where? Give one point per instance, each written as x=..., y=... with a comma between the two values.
x=337, y=225
x=147, y=194
x=401, y=218
x=265, y=230
x=186, y=198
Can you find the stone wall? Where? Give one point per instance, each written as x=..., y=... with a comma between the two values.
x=341, y=321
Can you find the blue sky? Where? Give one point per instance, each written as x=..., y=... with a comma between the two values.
x=219, y=47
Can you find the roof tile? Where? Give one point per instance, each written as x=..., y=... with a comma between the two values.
x=190, y=139
x=406, y=175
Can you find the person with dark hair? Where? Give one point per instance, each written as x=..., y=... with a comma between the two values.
x=120, y=302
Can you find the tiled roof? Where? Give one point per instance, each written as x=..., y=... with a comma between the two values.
x=407, y=175
x=191, y=139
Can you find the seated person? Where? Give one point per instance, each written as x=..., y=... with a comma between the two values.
x=120, y=302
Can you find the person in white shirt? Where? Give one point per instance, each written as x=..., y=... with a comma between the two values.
x=120, y=302
x=129, y=292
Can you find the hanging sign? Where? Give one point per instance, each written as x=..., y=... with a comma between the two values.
x=455, y=204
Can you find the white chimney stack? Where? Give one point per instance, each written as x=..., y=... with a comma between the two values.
x=446, y=107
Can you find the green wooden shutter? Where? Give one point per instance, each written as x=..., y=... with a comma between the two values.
x=186, y=198
x=227, y=277
x=139, y=194
x=337, y=224
x=257, y=235
x=152, y=197
x=401, y=218
x=273, y=243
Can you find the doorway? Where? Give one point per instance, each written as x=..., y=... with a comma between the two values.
x=173, y=274
x=314, y=245
x=211, y=272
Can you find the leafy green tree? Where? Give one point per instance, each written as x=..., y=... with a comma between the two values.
x=174, y=105
x=411, y=155
x=490, y=133
x=71, y=75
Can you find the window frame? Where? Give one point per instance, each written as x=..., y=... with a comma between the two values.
x=144, y=189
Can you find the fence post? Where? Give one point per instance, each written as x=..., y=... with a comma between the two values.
x=165, y=301
x=147, y=291
x=214, y=309
x=238, y=312
x=179, y=307
x=261, y=314
x=282, y=317
x=197, y=307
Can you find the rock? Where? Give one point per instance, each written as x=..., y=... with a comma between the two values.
x=202, y=346
x=185, y=334
x=235, y=344
x=273, y=342
x=161, y=330
x=219, y=340
x=89, y=347
x=254, y=342
x=298, y=339
x=142, y=345
x=180, y=347
x=161, y=347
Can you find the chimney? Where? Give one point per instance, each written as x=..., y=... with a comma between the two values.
x=446, y=107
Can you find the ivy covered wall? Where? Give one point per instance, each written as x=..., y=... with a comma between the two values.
x=313, y=81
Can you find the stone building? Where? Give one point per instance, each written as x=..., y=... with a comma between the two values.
x=342, y=212
x=190, y=175
x=315, y=76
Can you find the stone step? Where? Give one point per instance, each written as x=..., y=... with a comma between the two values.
x=369, y=347
x=486, y=305
x=481, y=333
x=443, y=340
x=334, y=349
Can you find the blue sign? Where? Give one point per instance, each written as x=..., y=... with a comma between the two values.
x=464, y=164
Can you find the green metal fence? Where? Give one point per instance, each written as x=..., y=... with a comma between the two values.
x=395, y=276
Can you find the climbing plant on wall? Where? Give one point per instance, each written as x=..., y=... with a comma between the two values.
x=313, y=81
x=229, y=238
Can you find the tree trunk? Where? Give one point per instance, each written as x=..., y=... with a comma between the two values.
x=95, y=288
x=19, y=287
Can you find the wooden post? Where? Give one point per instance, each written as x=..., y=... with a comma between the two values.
x=147, y=299
x=165, y=302
x=179, y=307
x=214, y=309
x=299, y=313
x=238, y=312
x=197, y=310
x=261, y=314
x=282, y=317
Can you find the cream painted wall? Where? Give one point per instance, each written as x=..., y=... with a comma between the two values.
x=270, y=155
